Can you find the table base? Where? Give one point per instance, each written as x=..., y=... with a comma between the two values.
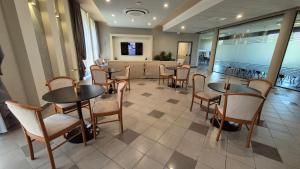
x=173, y=86
x=78, y=139
x=228, y=126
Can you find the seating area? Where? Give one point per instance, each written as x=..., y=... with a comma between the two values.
x=121, y=84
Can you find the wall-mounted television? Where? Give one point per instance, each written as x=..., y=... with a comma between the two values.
x=131, y=48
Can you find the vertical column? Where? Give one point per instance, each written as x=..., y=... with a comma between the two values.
x=281, y=44
x=213, y=51
x=32, y=49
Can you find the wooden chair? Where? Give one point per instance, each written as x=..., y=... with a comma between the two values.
x=61, y=82
x=182, y=76
x=264, y=86
x=163, y=74
x=99, y=77
x=126, y=77
x=44, y=130
x=241, y=108
x=109, y=108
x=199, y=93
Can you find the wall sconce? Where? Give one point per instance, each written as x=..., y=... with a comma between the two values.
x=57, y=15
x=32, y=2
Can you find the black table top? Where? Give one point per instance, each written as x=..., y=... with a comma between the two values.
x=234, y=88
x=68, y=94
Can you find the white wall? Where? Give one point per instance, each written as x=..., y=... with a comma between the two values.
x=116, y=46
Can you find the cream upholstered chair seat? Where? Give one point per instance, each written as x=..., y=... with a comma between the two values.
x=106, y=106
x=58, y=122
x=244, y=116
x=166, y=74
x=206, y=95
x=65, y=105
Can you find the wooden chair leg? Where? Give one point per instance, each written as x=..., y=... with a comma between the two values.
x=30, y=146
x=121, y=121
x=220, y=129
x=159, y=80
x=207, y=111
x=250, y=134
x=90, y=109
x=192, y=103
x=163, y=80
x=83, y=133
x=50, y=154
x=94, y=121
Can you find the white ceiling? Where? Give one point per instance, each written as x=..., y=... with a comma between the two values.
x=229, y=9
x=155, y=8
x=196, y=22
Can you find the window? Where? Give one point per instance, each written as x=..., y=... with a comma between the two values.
x=246, y=50
x=289, y=75
x=91, y=41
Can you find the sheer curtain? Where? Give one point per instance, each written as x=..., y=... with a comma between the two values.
x=91, y=41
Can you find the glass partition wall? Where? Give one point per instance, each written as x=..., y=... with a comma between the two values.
x=289, y=74
x=246, y=50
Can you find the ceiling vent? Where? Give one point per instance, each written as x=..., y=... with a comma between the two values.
x=136, y=11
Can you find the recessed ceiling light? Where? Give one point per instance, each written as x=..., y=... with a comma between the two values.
x=113, y=15
x=107, y=0
x=166, y=5
x=132, y=20
x=182, y=27
x=115, y=22
x=239, y=16
x=248, y=30
x=149, y=23
x=154, y=18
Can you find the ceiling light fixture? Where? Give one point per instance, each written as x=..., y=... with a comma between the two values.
x=132, y=20
x=115, y=22
x=222, y=19
x=154, y=18
x=113, y=15
x=182, y=27
x=166, y=5
x=239, y=16
x=107, y=0
x=149, y=23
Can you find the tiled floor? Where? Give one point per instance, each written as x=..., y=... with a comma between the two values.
x=161, y=133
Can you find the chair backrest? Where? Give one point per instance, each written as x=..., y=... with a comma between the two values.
x=127, y=72
x=264, y=86
x=162, y=69
x=60, y=82
x=121, y=87
x=182, y=73
x=92, y=67
x=198, y=83
x=98, y=76
x=30, y=117
x=242, y=106
x=186, y=66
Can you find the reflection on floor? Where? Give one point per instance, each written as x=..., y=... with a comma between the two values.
x=161, y=132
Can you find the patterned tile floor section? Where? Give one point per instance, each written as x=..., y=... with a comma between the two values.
x=161, y=133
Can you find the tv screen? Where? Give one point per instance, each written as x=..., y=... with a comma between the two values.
x=131, y=48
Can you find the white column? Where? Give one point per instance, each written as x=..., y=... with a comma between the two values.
x=31, y=47
x=213, y=51
x=281, y=44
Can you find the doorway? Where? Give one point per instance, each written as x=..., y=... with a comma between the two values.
x=184, y=52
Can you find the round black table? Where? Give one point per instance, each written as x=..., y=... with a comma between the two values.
x=68, y=95
x=234, y=88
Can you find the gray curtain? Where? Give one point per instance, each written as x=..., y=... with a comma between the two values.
x=78, y=35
